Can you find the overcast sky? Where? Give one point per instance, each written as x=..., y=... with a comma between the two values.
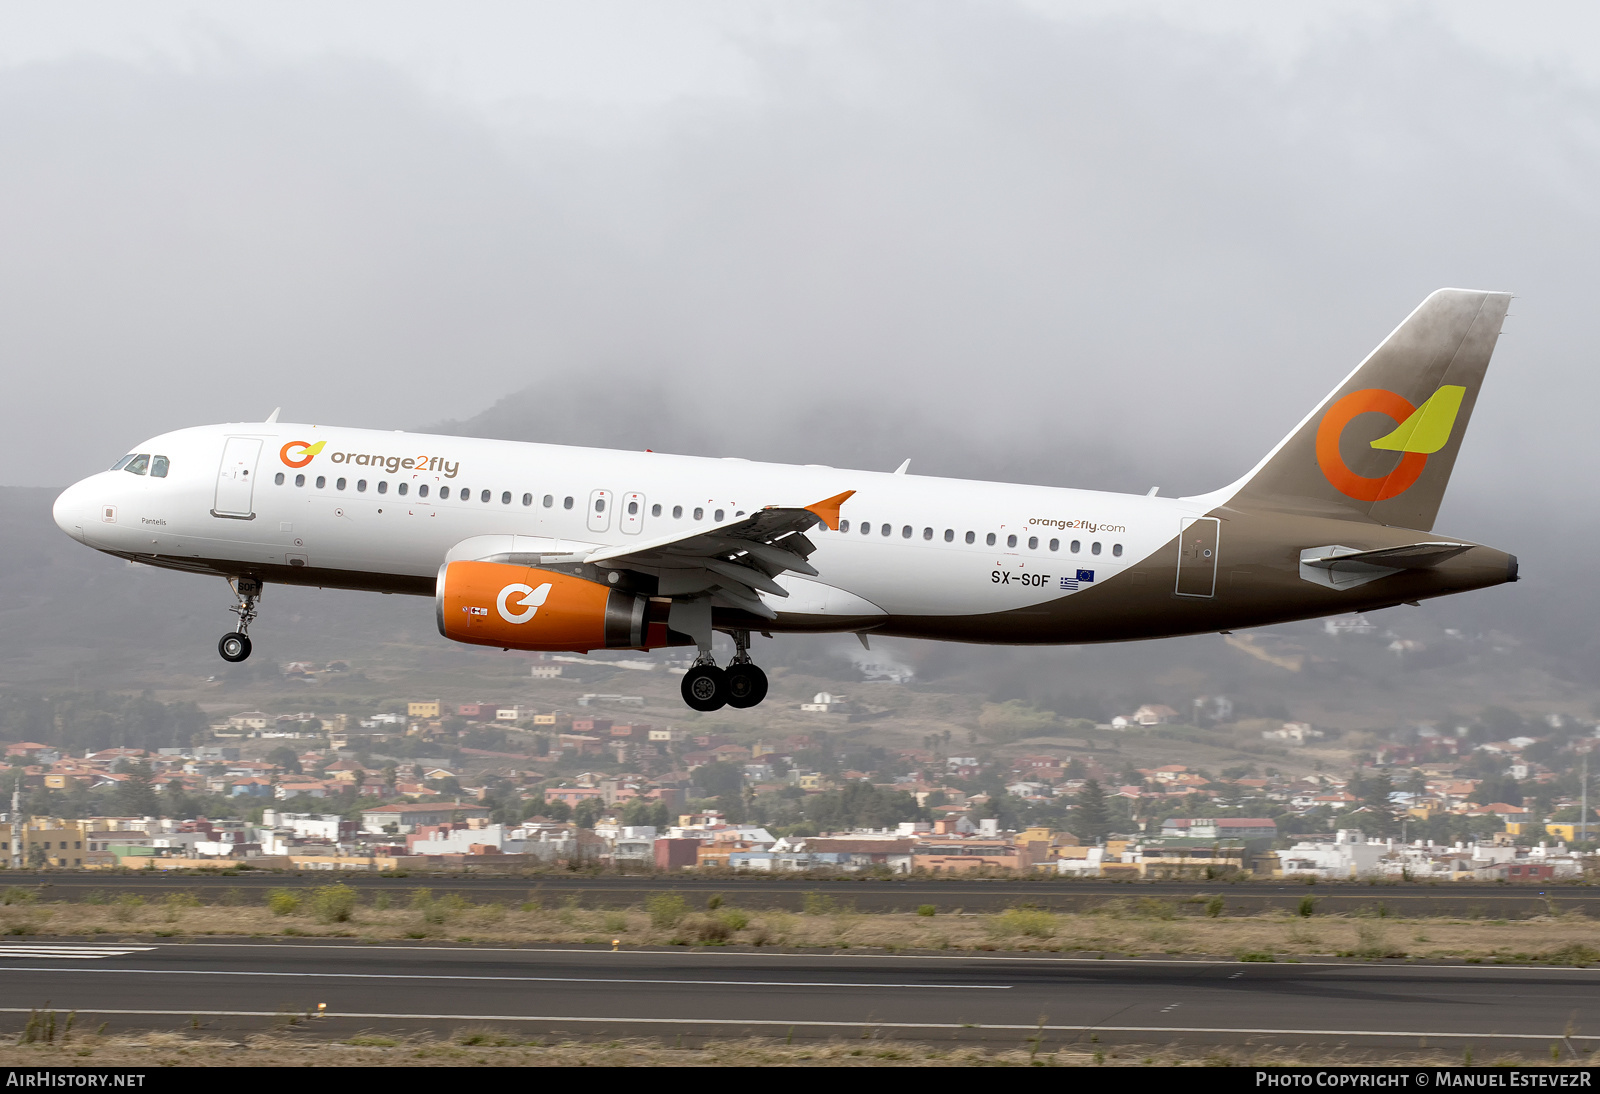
x=1156, y=229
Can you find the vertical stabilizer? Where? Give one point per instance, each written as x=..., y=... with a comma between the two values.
x=1384, y=442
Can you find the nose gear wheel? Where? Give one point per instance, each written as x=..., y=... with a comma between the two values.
x=235, y=645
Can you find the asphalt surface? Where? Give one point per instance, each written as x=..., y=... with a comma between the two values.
x=1464, y=900
x=586, y=992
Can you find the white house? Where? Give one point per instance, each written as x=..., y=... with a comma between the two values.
x=1349, y=855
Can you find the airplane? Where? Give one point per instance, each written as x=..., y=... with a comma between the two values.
x=546, y=547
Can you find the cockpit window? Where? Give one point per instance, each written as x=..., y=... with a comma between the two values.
x=120, y=464
x=140, y=464
x=158, y=467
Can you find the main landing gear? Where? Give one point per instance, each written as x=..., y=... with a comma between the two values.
x=235, y=645
x=742, y=684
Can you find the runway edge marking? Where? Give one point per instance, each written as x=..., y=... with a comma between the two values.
x=781, y=1023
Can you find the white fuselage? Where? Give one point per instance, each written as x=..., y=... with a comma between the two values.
x=371, y=509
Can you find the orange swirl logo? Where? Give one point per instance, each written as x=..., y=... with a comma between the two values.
x=1419, y=432
x=306, y=452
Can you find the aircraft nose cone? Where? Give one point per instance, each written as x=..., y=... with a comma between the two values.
x=73, y=511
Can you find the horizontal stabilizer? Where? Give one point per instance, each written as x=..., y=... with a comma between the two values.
x=1413, y=556
x=1347, y=567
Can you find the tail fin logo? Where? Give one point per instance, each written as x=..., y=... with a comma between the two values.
x=1419, y=432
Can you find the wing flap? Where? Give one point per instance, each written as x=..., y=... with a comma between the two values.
x=734, y=561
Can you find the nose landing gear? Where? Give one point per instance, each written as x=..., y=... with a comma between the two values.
x=742, y=684
x=235, y=645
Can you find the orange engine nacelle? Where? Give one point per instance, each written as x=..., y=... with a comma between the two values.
x=525, y=608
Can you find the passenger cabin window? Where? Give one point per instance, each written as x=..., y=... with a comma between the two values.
x=677, y=512
x=1055, y=545
x=338, y=484
x=422, y=490
x=633, y=508
x=299, y=480
x=949, y=535
x=505, y=498
x=444, y=493
x=277, y=480
x=383, y=486
x=549, y=500
x=1094, y=548
x=971, y=536
x=866, y=528
x=401, y=488
x=905, y=533
x=844, y=526
x=1076, y=546
x=1011, y=541
x=158, y=467
x=140, y=464
x=566, y=503
x=361, y=486
x=599, y=505
x=655, y=510
x=699, y=514
x=1116, y=550
x=322, y=481
x=1033, y=543
x=527, y=499
x=484, y=497
x=989, y=539
x=717, y=516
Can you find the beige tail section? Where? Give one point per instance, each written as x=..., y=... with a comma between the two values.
x=1384, y=442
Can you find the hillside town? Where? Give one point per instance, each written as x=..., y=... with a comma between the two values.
x=485, y=786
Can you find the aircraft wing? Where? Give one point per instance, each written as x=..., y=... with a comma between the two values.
x=733, y=561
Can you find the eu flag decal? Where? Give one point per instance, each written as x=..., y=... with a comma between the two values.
x=1085, y=575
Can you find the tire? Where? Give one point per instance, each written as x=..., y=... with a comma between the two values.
x=747, y=685
x=234, y=647
x=705, y=688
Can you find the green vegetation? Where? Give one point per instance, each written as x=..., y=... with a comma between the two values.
x=666, y=909
x=283, y=901
x=334, y=903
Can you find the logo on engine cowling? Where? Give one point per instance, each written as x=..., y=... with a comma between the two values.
x=531, y=601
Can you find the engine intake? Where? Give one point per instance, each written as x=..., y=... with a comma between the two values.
x=526, y=608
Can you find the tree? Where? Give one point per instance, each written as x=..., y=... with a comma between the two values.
x=1374, y=790
x=285, y=757
x=1498, y=788
x=135, y=797
x=1091, y=819
x=718, y=779
x=862, y=805
x=558, y=811
x=642, y=811
x=588, y=811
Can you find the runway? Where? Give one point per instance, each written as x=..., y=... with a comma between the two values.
x=596, y=993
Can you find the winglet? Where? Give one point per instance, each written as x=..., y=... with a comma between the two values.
x=827, y=510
